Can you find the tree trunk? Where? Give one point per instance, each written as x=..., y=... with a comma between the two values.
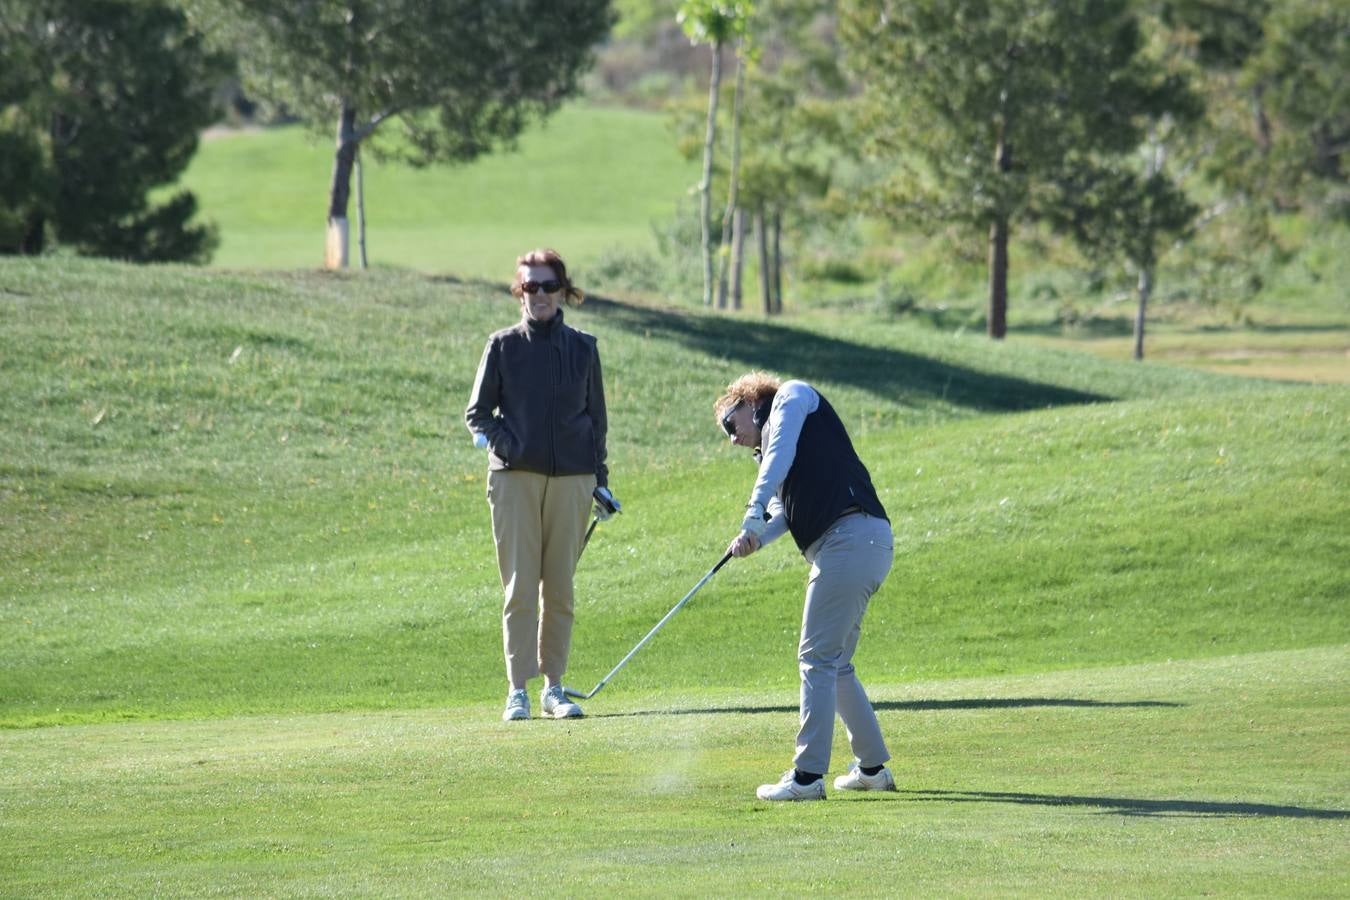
x=361, y=208
x=737, y=257
x=34, y=238
x=724, y=257
x=765, y=282
x=1145, y=291
x=998, y=278
x=777, y=261
x=997, y=325
x=1153, y=167
x=705, y=185
x=339, y=191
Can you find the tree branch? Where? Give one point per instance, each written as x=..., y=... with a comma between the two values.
x=365, y=130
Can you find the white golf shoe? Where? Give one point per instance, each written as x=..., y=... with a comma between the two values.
x=857, y=780
x=788, y=789
x=517, y=706
x=555, y=703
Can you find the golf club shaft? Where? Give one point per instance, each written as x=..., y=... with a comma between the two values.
x=657, y=627
x=587, y=539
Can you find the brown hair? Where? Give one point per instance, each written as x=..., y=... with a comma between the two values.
x=753, y=388
x=544, y=256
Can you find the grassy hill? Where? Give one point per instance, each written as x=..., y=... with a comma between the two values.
x=597, y=182
x=590, y=179
x=248, y=572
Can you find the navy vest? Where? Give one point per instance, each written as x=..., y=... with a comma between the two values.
x=826, y=477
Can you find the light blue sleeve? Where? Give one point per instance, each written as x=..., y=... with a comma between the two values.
x=794, y=401
x=777, y=526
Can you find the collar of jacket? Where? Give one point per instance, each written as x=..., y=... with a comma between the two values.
x=761, y=413
x=545, y=328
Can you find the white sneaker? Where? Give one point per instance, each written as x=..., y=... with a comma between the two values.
x=556, y=704
x=517, y=705
x=788, y=789
x=857, y=780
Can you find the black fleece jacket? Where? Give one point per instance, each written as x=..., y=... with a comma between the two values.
x=540, y=399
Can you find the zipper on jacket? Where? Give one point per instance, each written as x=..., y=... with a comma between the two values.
x=555, y=355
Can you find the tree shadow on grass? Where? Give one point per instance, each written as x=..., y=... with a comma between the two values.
x=890, y=373
x=1124, y=806
x=914, y=706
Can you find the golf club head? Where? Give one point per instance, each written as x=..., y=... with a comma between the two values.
x=577, y=695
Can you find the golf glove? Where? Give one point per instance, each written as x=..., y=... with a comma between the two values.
x=605, y=504
x=755, y=520
x=480, y=440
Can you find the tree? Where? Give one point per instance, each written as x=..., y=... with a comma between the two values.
x=1300, y=74
x=733, y=178
x=714, y=23
x=1128, y=211
x=791, y=102
x=461, y=78
x=101, y=102
x=984, y=104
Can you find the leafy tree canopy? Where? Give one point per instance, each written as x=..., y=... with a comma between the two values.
x=953, y=82
x=101, y=101
x=460, y=76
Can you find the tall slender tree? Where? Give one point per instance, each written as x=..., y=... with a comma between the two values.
x=733, y=175
x=711, y=22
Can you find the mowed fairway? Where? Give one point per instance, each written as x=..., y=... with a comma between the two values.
x=250, y=630
x=1222, y=776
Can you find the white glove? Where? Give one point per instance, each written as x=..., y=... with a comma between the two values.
x=605, y=504
x=480, y=440
x=755, y=520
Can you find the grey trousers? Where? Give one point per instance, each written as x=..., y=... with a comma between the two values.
x=848, y=564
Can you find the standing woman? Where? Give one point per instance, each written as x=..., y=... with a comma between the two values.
x=812, y=483
x=538, y=407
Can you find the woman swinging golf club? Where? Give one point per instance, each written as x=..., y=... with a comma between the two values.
x=811, y=483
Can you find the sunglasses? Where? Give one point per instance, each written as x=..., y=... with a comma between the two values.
x=552, y=286
x=728, y=422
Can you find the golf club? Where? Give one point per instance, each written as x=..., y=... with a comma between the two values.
x=587, y=539
x=578, y=695
x=611, y=506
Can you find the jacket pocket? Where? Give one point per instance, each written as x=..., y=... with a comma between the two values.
x=504, y=447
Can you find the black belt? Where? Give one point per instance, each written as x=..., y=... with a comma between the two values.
x=851, y=511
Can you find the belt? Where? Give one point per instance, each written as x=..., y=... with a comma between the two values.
x=852, y=511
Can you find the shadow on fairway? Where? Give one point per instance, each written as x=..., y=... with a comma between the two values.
x=886, y=372
x=1128, y=807
x=912, y=706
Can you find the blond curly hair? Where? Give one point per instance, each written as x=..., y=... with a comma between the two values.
x=753, y=388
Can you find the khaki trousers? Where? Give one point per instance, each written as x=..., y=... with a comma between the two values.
x=537, y=523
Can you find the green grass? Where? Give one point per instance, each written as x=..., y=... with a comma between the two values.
x=1223, y=776
x=588, y=180
x=250, y=629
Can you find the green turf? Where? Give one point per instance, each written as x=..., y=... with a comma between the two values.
x=588, y=180
x=1218, y=777
x=250, y=629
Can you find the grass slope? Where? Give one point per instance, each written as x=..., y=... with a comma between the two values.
x=589, y=179
x=249, y=622
x=1217, y=777
x=232, y=494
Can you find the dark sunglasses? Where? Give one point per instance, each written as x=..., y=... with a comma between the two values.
x=728, y=424
x=552, y=286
